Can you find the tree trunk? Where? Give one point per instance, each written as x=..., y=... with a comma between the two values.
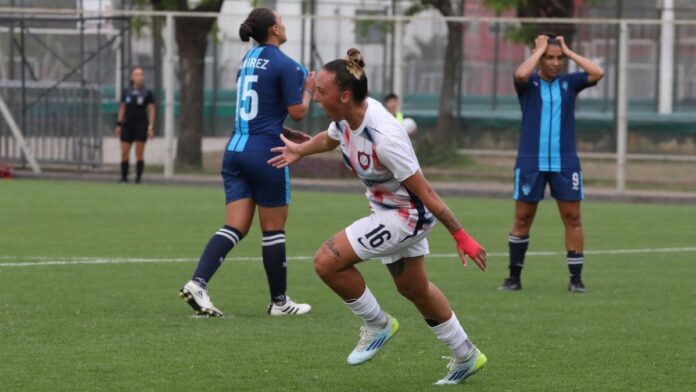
x=444, y=135
x=192, y=41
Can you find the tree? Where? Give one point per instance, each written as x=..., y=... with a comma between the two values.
x=191, y=36
x=538, y=9
x=444, y=136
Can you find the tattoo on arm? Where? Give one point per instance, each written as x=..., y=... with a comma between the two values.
x=396, y=268
x=448, y=219
x=330, y=243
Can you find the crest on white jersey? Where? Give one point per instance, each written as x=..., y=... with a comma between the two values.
x=363, y=160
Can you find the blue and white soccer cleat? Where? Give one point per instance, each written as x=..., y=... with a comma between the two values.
x=371, y=341
x=459, y=371
x=197, y=297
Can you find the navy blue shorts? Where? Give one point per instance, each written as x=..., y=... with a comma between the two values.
x=247, y=175
x=565, y=185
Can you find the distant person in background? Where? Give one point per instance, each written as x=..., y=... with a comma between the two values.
x=393, y=105
x=135, y=122
x=547, y=151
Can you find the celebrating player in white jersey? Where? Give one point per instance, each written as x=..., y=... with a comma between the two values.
x=404, y=207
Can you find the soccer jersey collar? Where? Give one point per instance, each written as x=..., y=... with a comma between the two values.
x=364, y=121
x=548, y=81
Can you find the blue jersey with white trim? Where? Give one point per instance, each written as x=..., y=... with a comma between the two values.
x=268, y=81
x=547, y=138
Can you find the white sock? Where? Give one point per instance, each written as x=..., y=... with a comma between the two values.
x=452, y=333
x=367, y=308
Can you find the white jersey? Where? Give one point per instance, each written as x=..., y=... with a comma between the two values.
x=380, y=153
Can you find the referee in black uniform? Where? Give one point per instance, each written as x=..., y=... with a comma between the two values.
x=136, y=118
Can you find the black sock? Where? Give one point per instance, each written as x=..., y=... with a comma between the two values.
x=518, y=248
x=431, y=323
x=139, y=167
x=575, y=261
x=124, y=170
x=275, y=264
x=214, y=254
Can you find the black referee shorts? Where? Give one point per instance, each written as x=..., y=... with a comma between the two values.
x=134, y=134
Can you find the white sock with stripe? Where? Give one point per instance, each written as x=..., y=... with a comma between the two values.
x=454, y=336
x=367, y=308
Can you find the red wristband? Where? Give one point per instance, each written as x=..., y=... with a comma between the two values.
x=466, y=243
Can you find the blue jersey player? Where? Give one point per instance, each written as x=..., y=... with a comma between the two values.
x=547, y=153
x=270, y=85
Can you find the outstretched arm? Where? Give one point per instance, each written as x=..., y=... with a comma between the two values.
x=594, y=72
x=466, y=246
x=293, y=152
x=527, y=67
x=295, y=135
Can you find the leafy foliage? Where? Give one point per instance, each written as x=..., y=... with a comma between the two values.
x=526, y=32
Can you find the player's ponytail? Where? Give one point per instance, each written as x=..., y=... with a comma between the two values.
x=350, y=74
x=256, y=25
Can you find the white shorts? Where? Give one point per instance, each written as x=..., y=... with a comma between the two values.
x=391, y=235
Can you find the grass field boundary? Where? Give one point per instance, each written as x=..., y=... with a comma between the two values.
x=38, y=261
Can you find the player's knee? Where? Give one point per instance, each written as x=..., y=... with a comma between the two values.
x=323, y=265
x=523, y=221
x=572, y=219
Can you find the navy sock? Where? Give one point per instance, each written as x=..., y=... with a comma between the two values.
x=124, y=170
x=575, y=261
x=139, y=167
x=518, y=248
x=431, y=323
x=275, y=264
x=214, y=254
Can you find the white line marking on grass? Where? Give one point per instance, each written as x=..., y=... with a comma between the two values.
x=48, y=261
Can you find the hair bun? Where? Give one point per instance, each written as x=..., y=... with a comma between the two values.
x=355, y=62
x=354, y=56
x=246, y=30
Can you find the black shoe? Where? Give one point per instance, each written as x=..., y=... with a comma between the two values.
x=576, y=286
x=511, y=284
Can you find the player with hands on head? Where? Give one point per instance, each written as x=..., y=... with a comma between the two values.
x=376, y=148
x=547, y=151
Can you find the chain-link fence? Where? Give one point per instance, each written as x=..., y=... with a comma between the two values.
x=64, y=77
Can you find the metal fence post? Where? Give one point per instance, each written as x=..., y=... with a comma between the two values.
x=398, y=56
x=168, y=72
x=666, y=58
x=621, y=109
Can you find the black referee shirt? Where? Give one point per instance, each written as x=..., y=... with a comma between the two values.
x=136, y=101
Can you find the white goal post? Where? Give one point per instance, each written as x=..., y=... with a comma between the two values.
x=17, y=133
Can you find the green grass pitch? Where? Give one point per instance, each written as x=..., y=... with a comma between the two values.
x=122, y=327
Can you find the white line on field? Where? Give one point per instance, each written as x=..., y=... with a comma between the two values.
x=47, y=261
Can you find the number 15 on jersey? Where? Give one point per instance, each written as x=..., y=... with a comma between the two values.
x=247, y=109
